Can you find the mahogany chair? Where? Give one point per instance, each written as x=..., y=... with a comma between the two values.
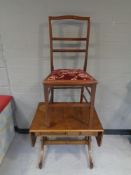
x=67, y=118
x=69, y=78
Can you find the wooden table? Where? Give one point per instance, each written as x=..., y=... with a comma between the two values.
x=66, y=120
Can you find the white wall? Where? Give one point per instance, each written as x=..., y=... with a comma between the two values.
x=24, y=38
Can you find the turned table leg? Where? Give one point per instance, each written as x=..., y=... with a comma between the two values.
x=89, y=152
x=33, y=138
x=40, y=163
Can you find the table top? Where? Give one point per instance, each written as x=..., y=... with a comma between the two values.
x=65, y=118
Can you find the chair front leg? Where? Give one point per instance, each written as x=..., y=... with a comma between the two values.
x=52, y=95
x=92, y=100
x=81, y=95
x=46, y=93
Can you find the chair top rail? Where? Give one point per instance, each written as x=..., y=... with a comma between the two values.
x=68, y=17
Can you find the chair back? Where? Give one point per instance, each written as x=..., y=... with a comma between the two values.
x=69, y=42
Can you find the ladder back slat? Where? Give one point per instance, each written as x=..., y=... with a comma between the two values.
x=68, y=39
x=69, y=50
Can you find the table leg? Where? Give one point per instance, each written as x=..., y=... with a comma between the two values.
x=89, y=153
x=33, y=138
x=40, y=163
x=99, y=138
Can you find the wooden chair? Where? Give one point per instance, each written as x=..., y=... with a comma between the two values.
x=67, y=119
x=69, y=78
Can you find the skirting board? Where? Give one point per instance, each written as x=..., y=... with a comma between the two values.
x=106, y=131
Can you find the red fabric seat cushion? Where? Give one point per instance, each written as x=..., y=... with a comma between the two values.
x=4, y=100
x=69, y=74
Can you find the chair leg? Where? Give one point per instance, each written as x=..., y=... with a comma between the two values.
x=92, y=100
x=81, y=95
x=40, y=163
x=46, y=93
x=89, y=153
x=52, y=95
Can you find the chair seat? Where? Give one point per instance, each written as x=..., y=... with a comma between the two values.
x=69, y=74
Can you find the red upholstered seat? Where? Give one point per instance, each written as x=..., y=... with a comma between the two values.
x=69, y=74
x=4, y=100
